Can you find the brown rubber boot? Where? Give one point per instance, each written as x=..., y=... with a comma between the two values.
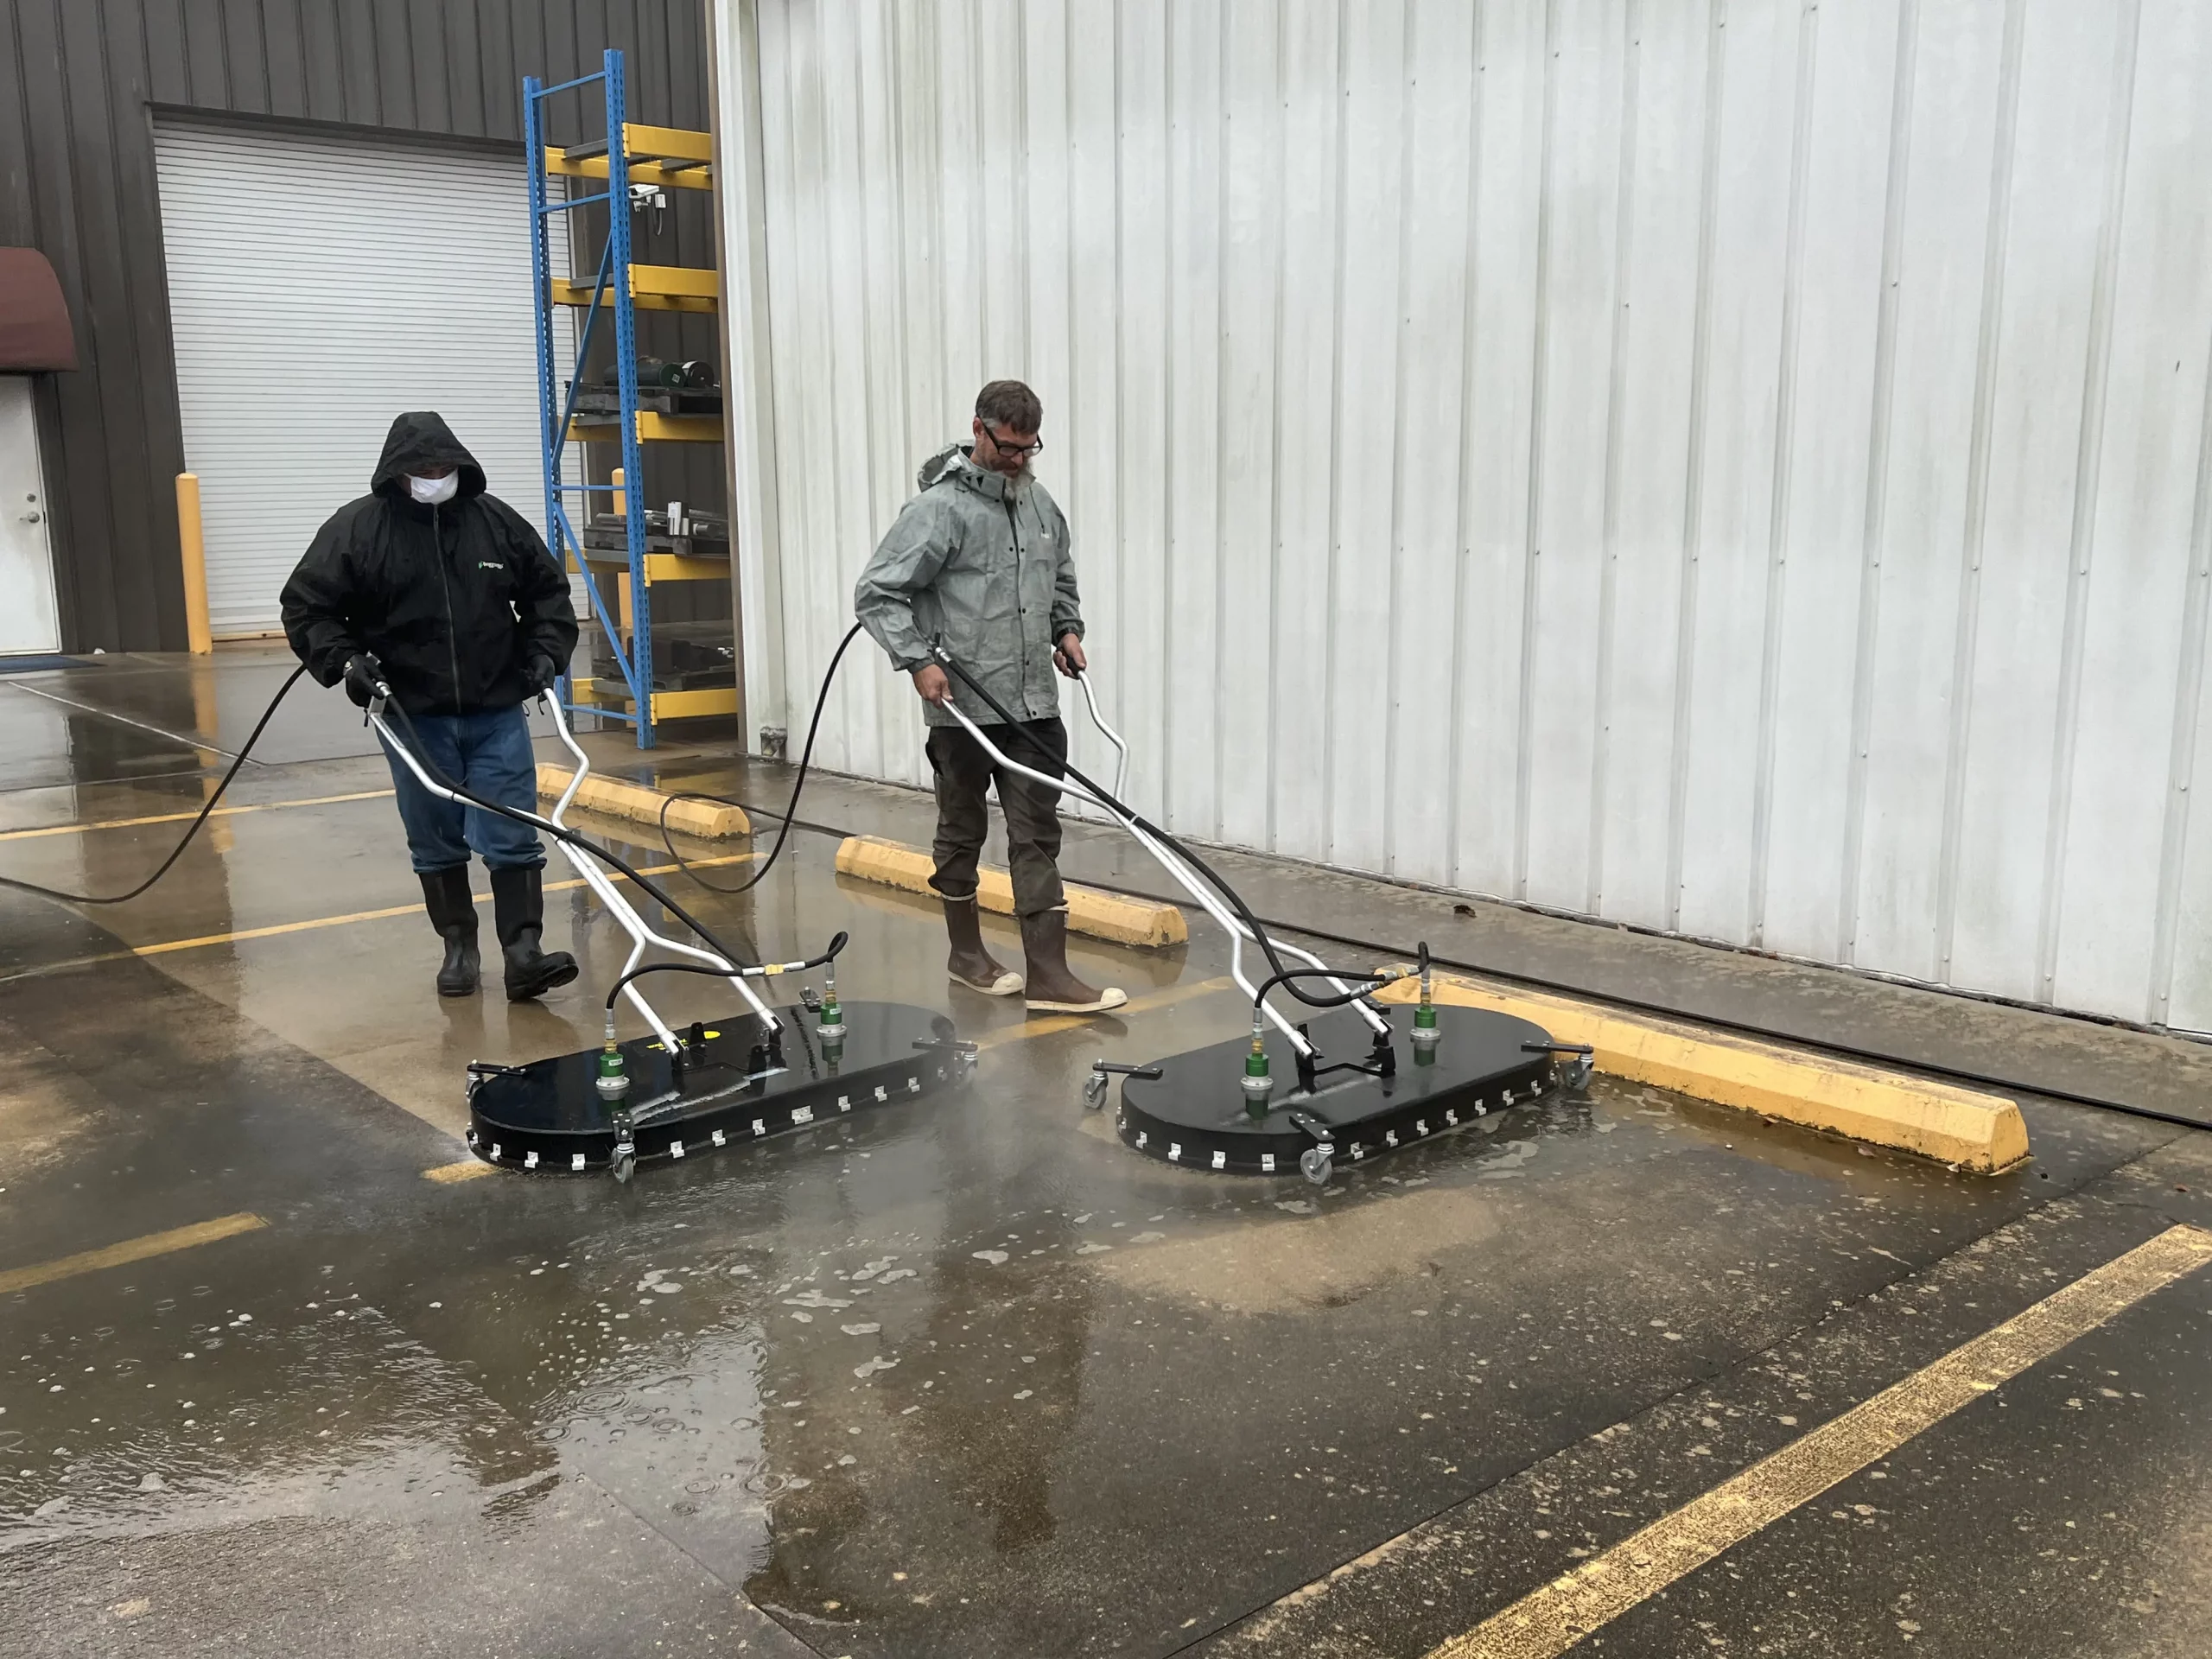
x=1052, y=988
x=970, y=963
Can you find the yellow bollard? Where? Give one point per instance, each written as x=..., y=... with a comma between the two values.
x=197, y=633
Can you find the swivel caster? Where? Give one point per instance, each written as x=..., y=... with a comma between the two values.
x=1094, y=1086
x=624, y=1164
x=1571, y=1062
x=1316, y=1166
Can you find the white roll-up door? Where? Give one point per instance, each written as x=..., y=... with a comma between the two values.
x=319, y=286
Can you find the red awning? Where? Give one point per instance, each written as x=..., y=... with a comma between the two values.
x=33, y=322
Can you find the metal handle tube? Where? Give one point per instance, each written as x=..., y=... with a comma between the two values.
x=595, y=878
x=1121, y=749
x=1238, y=933
x=1198, y=890
x=618, y=902
x=1176, y=866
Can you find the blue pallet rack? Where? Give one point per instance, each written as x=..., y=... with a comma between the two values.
x=651, y=158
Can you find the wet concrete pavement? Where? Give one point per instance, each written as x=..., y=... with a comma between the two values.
x=965, y=1377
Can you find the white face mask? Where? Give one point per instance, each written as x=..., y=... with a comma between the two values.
x=432, y=491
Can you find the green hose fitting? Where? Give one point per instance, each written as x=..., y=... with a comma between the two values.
x=614, y=1077
x=1257, y=1084
x=1425, y=1035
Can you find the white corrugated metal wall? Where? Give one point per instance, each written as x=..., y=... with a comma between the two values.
x=1738, y=468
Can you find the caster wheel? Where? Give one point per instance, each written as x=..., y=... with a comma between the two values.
x=624, y=1164
x=1314, y=1164
x=1575, y=1074
x=1094, y=1091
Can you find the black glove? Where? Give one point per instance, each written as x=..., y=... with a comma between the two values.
x=363, y=673
x=539, y=673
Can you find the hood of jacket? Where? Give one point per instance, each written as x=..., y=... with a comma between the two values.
x=417, y=439
x=954, y=464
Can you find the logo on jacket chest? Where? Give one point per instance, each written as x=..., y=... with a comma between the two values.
x=489, y=564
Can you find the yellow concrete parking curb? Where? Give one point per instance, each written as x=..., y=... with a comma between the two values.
x=1980, y=1133
x=1142, y=922
x=620, y=799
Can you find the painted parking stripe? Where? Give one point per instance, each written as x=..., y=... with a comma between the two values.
x=239, y=935
x=1052, y=1025
x=466, y=1170
x=131, y=1249
x=1550, y=1621
x=182, y=817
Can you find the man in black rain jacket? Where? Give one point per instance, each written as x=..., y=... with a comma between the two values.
x=449, y=596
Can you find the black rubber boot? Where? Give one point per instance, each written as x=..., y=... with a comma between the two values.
x=453, y=912
x=519, y=908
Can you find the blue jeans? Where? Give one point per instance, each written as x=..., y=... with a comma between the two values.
x=489, y=754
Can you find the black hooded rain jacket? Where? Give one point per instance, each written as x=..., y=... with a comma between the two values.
x=454, y=600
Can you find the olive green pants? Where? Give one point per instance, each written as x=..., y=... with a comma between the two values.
x=1032, y=811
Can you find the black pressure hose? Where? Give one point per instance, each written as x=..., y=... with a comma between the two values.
x=546, y=826
x=1287, y=978
x=1344, y=1000
x=176, y=852
x=836, y=945
x=805, y=759
x=569, y=838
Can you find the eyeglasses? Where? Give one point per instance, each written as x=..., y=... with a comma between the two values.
x=1012, y=451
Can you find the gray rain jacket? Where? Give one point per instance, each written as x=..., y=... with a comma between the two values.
x=980, y=560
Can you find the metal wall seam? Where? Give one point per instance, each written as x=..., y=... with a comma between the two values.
x=2096, y=381
x=1869, y=610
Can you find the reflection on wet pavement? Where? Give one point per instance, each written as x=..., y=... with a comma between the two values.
x=963, y=1378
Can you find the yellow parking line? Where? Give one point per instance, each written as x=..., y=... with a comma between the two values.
x=466, y=1170
x=180, y=817
x=1549, y=1621
x=131, y=1249
x=238, y=935
x=241, y=934
x=1053, y=1024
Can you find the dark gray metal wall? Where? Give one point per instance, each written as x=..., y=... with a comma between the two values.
x=80, y=81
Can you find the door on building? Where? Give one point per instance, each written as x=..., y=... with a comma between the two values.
x=319, y=285
x=29, y=620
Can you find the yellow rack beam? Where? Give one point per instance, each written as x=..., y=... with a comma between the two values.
x=653, y=427
x=652, y=287
x=667, y=705
x=667, y=143
x=695, y=175
x=660, y=566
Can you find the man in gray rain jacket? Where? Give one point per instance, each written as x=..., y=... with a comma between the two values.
x=978, y=560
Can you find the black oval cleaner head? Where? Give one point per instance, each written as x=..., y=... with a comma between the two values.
x=1195, y=1109
x=612, y=1107
x=668, y=1094
x=1346, y=1082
